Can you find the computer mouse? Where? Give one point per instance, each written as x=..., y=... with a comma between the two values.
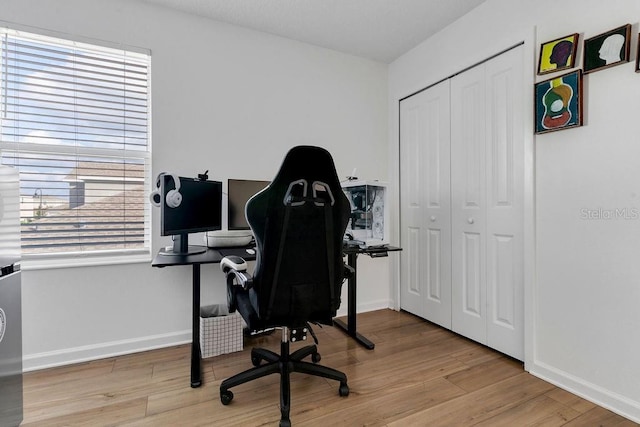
x=251, y=251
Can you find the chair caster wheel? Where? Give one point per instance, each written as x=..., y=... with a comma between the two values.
x=315, y=357
x=256, y=361
x=285, y=423
x=226, y=397
x=343, y=390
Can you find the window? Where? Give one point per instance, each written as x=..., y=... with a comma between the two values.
x=75, y=121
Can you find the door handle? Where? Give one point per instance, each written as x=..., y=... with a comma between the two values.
x=470, y=220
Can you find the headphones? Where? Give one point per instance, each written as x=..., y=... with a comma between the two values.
x=173, y=199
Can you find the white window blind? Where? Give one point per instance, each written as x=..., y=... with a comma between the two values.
x=75, y=122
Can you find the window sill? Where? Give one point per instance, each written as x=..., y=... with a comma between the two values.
x=31, y=264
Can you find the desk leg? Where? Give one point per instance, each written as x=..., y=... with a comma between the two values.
x=350, y=326
x=196, y=379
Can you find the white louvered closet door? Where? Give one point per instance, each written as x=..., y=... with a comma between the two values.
x=425, y=200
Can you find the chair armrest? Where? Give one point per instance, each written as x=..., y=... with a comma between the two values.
x=233, y=262
x=348, y=271
x=243, y=278
x=235, y=269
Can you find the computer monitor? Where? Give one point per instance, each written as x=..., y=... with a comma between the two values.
x=199, y=210
x=240, y=191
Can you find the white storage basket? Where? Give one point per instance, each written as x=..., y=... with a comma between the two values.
x=220, y=335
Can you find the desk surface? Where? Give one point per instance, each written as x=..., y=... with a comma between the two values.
x=210, y=256
x=215, y=255
x=348, y=249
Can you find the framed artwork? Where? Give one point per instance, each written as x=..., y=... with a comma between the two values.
x=558, y=103
x=607, y=49
x=558, y=54
x=638, y=56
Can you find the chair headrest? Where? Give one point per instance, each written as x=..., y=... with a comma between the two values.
x=308, y=163
x=299, y=192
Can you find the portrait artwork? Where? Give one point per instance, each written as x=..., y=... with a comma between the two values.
x=607, y=49
x=558, y=54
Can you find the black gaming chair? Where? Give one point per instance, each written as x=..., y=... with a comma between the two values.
x=298, y=222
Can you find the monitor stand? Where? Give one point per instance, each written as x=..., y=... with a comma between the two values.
x=181, y=247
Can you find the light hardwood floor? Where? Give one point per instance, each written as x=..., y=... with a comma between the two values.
x=418, y=375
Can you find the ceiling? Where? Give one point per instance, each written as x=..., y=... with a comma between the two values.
x=381, y=30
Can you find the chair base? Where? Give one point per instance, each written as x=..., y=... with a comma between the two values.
x=283, y=364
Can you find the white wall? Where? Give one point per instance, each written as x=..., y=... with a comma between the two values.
x=583, y=276
x=226, y=99
x=220, y=90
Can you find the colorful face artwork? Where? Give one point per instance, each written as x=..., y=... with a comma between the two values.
x=557, y=55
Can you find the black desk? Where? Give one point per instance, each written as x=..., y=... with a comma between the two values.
x=352, y=253
x=210, y=256
x=214, y=256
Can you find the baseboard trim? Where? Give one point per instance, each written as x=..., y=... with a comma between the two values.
x=69, y=356
x=608, y=399
x=363, y=308
x=37, y=361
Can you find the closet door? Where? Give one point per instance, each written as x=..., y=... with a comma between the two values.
x=425, y=204
x=487, y=204
x=505, y=204
x=468, y=208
